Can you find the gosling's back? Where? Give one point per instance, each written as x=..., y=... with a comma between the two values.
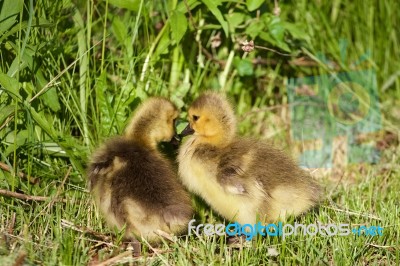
x=136, y=172
x=136, y=186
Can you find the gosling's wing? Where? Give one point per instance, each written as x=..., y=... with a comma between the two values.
x=233, y=167
x=230, y=177
x=102, y=160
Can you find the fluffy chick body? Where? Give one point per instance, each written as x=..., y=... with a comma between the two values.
x=133, y=184
x=243, y=179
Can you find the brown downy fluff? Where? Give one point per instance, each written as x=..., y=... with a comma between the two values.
x=131, y=181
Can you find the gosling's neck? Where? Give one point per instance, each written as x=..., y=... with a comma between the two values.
x=143, y=138
x=217, y=140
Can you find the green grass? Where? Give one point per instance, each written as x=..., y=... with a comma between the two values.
x=72, y=72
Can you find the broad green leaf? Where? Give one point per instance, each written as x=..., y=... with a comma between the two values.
x=276, y=29
x=211, y=4
x=244, y=67
x=178, y=25
x=163, y=44
x=254, y=29
x=5, y=112
x=253, y=4
x=280, y=44
x=50, y=97
x=29, y=89
x=16, y=141
x=275, y=32
x=119, y=29
x=182, y=6
x=20, y=62
x=283, y=45
x=9, y=84
x=128, y=4
x=8, y=13
x=296, y=31
x=235, y=19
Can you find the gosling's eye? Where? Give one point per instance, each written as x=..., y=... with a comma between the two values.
x=196, y=117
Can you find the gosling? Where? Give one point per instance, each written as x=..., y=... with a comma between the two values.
x=243, y=179
x=133, y=184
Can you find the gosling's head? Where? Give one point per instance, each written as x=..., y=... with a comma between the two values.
x=153, y=122
x=212, y=119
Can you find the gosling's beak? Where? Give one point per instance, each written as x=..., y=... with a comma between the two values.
x=187, y=131
x=176, y=140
